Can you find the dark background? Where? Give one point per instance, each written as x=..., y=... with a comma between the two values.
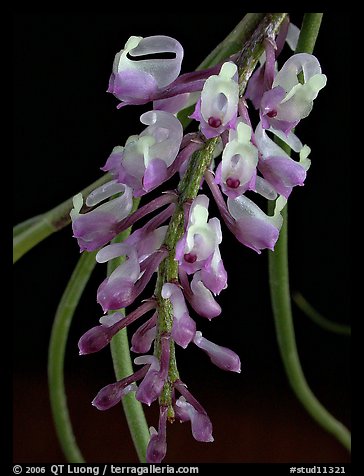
x=65, y=126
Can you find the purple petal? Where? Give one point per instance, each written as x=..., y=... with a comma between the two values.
x=201, y=427
x=155, y=174
x=173, y=104
x=150, y=388
x=111, y=395
x=222, y=357
x=255, y=88
x=183, y=330
x=144, y=336
x=184, y=327
x=256, y=234
x=132, y=86
x=157, y=446
x=200, y=423
x=199, y=296
x=282, y=173
x=116, y=293
x=271, y=99
x=95, y=339
x=94, y=229
x=114, y=161
x=252, y=226
x=214, y=275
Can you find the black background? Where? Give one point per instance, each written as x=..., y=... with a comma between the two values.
x=65, y=126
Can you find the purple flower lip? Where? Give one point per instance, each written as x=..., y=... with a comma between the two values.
x=232, y=183
x=214, y=122
x=189, y=257
x=272, y=113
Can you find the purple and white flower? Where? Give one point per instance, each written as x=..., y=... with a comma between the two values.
x=184, y=327
x=218, y=107
x=238, y=169
x=289, y=100
x=135, y=80
x=198, y=249
x=152, y=385
x=96, y=227
x=222, y=357
x=157, y=446
x=146, y=160
x=201, y=425
x=277, y=167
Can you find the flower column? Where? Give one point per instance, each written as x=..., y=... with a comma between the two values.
x=188, y=189
x=168, y=270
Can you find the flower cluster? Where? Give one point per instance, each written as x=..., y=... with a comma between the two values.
x=251, y=163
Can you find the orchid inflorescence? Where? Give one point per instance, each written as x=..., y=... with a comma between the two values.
x=187, y=258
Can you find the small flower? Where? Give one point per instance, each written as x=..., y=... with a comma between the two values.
x=157, y=446
x=188, y=408
x=277, y=167
x=153, y=382
x=184, y=327
x=135, y=80
x=289, y=101
x=217, y=109
x=98, y=226
x=238, y=169
x=222, y=357
x=252, y=226
x=201, y=425
x=199, y=241
x=200, y=298
x=128, y=280
x=147, y=159
x=99, y=337
x=144, y=336
x=111, y=395
x=213, y=273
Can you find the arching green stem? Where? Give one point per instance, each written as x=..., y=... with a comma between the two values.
x=280, y=293
x=56, y=353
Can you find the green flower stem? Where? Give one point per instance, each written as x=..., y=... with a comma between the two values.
x=280, y=294
x=233, y=42
x=254, y=47
x=318, y=318
x=168, y=270
x=309, y=31
x=57, y=347
x=47, y=223
x=188, y=190
x=23, y=226
x=123, y=367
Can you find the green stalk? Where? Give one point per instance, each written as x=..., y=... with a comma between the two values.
x=318, y=318
x=23, y=226
x=27, y=235
x=56, y=353
x=123, y=367
x=280, y=293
